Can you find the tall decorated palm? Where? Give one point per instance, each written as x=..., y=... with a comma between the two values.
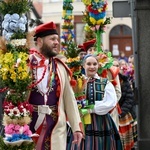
x=15, y=76
x=95, y=18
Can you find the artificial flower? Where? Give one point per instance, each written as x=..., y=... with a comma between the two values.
x=86, y=2
x=22, y=110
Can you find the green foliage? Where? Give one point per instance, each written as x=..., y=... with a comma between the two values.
x=15, y=6
x=86, y=18
x=20, y=88
x=18, y=35
x=67, y=6
x=11, y=48
x=72, y=50
x=107, y=21
x=67, y=26
x=75, y=63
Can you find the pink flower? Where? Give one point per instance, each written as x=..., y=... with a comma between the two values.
x=9, y=129
x=26, y=130
x=16, y=128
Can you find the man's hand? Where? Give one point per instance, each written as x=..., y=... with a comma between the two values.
x=77, y=138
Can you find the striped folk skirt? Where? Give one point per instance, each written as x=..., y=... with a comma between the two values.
x=126, y=131
x=102, y=134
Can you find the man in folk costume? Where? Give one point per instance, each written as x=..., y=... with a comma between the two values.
x=52, y=98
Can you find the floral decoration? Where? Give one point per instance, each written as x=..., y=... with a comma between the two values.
x=105, y=61
x=20, y=111
x=17, y=132
x=95, y=18
x=67, y=26
x=13, y=23
x=16, y=76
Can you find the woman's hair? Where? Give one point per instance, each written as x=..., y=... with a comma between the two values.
x=87, y=56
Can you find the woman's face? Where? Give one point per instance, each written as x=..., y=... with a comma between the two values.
x=90, y=66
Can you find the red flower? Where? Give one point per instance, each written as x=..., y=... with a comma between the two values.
x=90, y=9
x=14, y=112
x=7, y=111
x=104, y=8
x=73, y=82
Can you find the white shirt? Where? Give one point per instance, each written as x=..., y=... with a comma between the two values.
x=109, y=100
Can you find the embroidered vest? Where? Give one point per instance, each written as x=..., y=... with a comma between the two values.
x=95, y=90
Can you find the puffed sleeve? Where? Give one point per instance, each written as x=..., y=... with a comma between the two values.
x=109, y=101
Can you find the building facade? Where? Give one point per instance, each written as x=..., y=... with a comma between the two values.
x=118, y=35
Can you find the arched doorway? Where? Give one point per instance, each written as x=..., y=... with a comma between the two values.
x=121, y=40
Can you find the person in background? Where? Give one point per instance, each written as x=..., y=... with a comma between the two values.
x=53, y=98
x=126, y=102
x=89, y=46
x=131, y=73
x=122, y=56
x=131, y=59
x=132, y=83
x=124, y=67
x=82, y=51
x=101, y=133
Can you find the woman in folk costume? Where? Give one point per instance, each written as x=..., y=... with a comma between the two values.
x=101, y=133
x=52, y=99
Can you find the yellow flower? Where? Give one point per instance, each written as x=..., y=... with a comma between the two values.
x=20, y=69
x=23, y=56
x=8, y=58
x=24, y=75
x=3, y=72
x=93, y=21
x=1, y=58
x=87, y=28
x=13, y=76
x=100, y=10
x=72, y=59
x=101, y=21
x=86, y=2
x=80, y=83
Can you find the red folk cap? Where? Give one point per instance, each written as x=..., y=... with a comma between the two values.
x=89, y=44
x=81, y=48
x=45, y=29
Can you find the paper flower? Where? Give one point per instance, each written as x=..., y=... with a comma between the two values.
x=15, y=75
x=13, y=23
x=22, y=110
x=95, y=17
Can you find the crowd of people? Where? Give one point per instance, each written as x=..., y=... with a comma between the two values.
x=113, y=119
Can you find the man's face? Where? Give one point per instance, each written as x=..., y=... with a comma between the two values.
x=91, y=50
x=82, y=54
x=49, y=45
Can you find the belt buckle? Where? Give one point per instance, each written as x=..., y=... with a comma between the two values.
x=44, y=109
